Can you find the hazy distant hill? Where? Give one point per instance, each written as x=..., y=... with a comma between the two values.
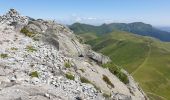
x=146, y=58
x=164, y=28
x=136, y=28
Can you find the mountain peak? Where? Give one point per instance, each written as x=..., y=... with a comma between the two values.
x=13, y=16
x=13, y=12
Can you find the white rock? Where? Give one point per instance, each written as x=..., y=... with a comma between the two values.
x=35, y=80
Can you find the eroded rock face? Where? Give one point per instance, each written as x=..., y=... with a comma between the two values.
x=53, y=65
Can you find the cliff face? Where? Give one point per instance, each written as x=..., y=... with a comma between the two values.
x=44, y=60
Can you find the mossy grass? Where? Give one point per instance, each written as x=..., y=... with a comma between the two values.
x=34, y=74
x=3, y=55
x=67, y=64
x=106, y=95
x=69, y=76
x=26, y=32
x=106, y=79
x=116, y=70
x=30, y=48
x=82, y=70
x=13, y=48
x=85, y=80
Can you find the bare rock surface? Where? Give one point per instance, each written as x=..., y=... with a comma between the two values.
x=53, y=64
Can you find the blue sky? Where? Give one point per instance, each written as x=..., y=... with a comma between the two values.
x=155, y=12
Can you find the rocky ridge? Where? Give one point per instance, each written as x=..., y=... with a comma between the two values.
x=48, y=62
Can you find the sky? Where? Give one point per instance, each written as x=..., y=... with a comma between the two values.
x=155, y=12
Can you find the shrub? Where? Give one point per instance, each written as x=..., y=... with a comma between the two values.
x=117, y=71
x=106, y=95
x=13, y=48
x=27, y=32
x=97, y=88
x=106, y=79
x=34, y=74
x=84, y=80
x=4, y=55
x=67, y=64
x=122, y=76
x=82, y=70
x=69, y=76
x=30, y=49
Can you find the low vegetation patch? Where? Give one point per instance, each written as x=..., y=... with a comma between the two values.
x=13, y=48
x=69, y=76
x=106, y=95
x=34, y=74
x=30, y=48
x=84, y=80
x=82, y=70
x=26, y=32
x=106, y=79
x=117, y=71
x=4, y=55
x=67, y=64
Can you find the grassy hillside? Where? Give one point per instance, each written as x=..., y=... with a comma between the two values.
x=147, y=59
x=136, y=28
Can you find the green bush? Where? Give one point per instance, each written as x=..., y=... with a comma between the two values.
x=123, y=77
x=4, y=55
x=13, y=48
x=106, y=95
x=117, y=71
x=67, y=64
x=82, y=70
x=69, y=76
x=34, y=74
x=84, y=80
x=27, y=32
x=106, y=79
x=30, y=48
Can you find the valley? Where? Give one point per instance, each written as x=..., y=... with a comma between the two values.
x=146, y=58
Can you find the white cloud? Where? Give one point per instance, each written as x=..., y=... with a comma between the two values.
x=91, y=18
x=78, y=19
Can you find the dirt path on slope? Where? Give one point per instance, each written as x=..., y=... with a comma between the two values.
x=163, y=98
x=146, y=59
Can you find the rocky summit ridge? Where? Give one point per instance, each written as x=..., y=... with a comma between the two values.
x=44, y=60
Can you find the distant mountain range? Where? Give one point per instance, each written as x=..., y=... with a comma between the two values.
x=136, y=28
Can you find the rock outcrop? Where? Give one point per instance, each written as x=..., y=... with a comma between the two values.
x=98, y=57
x=43, y=60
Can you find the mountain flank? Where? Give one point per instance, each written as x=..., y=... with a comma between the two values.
x=144, y=57
x=43, y=60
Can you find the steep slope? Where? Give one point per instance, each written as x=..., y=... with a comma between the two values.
x=43, y=60
x=136, y=28
x=147, y=59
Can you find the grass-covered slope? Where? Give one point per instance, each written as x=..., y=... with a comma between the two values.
x=147, y=59
x=136, y=28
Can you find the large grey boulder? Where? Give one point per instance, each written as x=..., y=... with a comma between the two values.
x=99, y=58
